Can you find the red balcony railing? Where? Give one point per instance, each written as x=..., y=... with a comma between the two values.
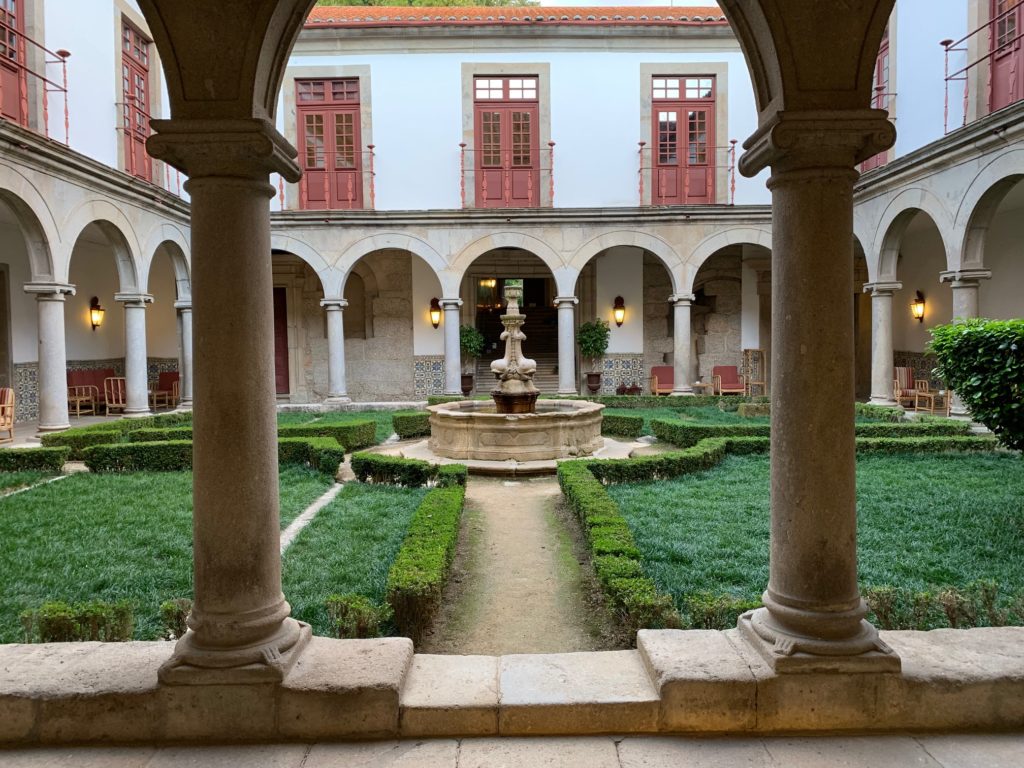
x=507, y=185
x=49, y=85
x=336, y=181
x=721, y=157
x=171, y=176
x=963, y=74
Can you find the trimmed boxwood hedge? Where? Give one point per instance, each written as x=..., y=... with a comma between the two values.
x=353, y=435
x=21, y=459
x=411, y=473
x=624, y=401
x=418, y=575
x=622, y=425
x=107, y=432
x=409, y=424
x=159, y=435
x=322, y=453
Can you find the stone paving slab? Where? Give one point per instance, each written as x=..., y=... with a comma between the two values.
x=578, y=752
x=668, y=752
x=450, y=695
x=385, y=754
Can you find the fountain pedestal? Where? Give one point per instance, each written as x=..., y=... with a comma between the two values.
x=516, y=392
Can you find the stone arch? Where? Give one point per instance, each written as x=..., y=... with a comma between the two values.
x=118, y=231
x=396, y=241
x=978, y=206
x=35, y=219
x=655, y=245
x=893, y=223
x=711, y=244
x=329, y=279
x=174, y=242
x=565, y=276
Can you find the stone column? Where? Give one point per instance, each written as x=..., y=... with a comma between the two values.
x=136, y=362
x=881, y=342
x=965, y=284
x=52, y=370
x=184, y=308
x=452, y=348
x=813, y=619
x=337, y=391
x=682, y=343
x=567, y=384
x=239, y=628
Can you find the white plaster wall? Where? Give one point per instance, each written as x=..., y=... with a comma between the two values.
x=750, y=313
x=24, y=317
x=426, y=340
x=1002, y=297
x=920, y=84
x=921, y=261
x=93, y=274
x=161, y=316
x=595, y=118
x=620, y=273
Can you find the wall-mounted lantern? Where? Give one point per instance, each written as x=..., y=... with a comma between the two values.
x=96, y=313
x=917, y=307
x=619, y=311
x=435, y=312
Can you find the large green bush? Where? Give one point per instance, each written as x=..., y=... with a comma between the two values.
x=592, y=339
x=983, y=362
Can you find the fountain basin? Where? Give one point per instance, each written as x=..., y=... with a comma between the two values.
x=473, y=429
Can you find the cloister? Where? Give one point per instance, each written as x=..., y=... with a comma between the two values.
x=819, y=280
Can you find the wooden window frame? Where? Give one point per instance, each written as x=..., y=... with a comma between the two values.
x=336, y=101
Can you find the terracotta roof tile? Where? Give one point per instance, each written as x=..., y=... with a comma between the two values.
x=404, y=16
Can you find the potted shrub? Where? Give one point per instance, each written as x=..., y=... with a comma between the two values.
x=471, y=344
x=592, y=339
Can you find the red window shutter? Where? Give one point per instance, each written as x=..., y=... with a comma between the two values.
x=506, y=160
x=330, y=144
x=685, y=156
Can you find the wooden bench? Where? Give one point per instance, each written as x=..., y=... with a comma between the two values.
x=85, y=390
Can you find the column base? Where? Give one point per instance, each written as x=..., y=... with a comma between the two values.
x=573, y=392
x=42, y=430
x=266, y=662
x=786, y=652
x=137, y=414
x=682, y=393
x=337, y=400
x=884, y=401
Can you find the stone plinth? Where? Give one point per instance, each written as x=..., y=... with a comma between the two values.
x=559, y=429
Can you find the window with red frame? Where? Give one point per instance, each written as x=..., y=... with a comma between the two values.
x=683, y=147
x=330, y=145
x=135, y=101
x=880, y=96
x=506, y=152
x=1007, y=27
x=13, y=86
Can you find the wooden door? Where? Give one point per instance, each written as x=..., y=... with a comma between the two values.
x=135, y=100
x=507, y=142
x=330, y=144
x=12, y=56
x=1007, y=79
x=683, y=164
x=281, y=341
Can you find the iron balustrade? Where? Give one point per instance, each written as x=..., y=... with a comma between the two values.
x=326, y=163
x=469, y=169
x=725, y=154
x=50, y=58
x=963, y=73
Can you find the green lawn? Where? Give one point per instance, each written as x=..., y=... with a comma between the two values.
x=347, y=549
x=12, y=481
x=111, y=537
x=926, y=523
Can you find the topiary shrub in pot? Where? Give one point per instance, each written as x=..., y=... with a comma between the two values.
x=592, y=340
x=471, y=345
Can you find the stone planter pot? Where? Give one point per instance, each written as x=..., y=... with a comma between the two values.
x=594, y=382
x=467, y=384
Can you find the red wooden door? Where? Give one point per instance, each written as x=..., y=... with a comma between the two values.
x=1007, y=79
x=281, y=341
x=507, y=151
x=880, y=96
x=684, y=148
x=330, y=144
x=135, y=97
x=12, y=54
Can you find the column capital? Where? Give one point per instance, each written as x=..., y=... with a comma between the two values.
x=185, y=305
x=964, y=276
x=882, y=288
x=791, y=141
x=50, y=291
x=568, y=301
x=681, y=299
x=134, y=299
x=450, y=303
x=234, y=148
x=333, y=303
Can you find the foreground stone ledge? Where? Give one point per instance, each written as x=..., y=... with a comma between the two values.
x=576, y=693
x=676, y=682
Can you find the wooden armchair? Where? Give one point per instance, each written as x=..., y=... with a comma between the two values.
x=905, y=387
x=115, y=393
x=6, y=415
x=728, y=381
x=662, y=379
x=83, y=398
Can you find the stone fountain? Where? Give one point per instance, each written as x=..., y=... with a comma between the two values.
x=515, y=427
